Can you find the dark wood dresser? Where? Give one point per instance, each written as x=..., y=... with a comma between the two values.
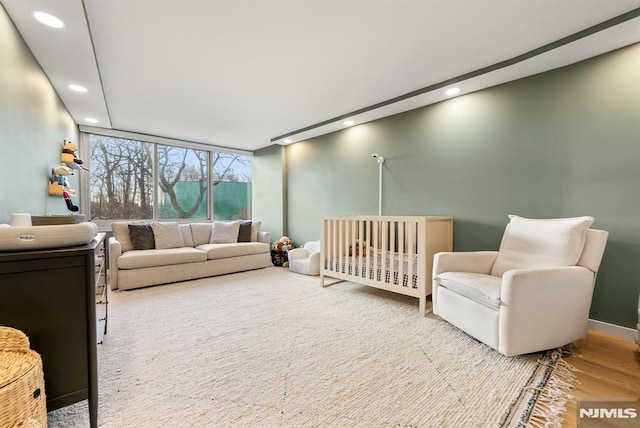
x=58, y=298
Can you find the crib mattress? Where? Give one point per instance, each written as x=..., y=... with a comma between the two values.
x=351, y=266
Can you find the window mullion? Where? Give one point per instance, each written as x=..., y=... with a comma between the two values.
x=210, y=212
x=85, y=179
x=156, y=184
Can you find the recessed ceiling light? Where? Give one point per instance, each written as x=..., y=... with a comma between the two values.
x=452, y=91
x=348, y=122
x=91, y=120
x=287, y=141
x=48, y=19
x=77, y=88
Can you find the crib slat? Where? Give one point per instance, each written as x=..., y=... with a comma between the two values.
x=328, y=244
x=384, y=250
x=341, y=245
x=334, y=239
x=361, y=246
x=368, y=253
x=376, y=249
x=392, y=248
x=401, y=249
x=410, y=252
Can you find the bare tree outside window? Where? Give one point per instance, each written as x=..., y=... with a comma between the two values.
x=231, y=168
x=182, y=177
x=121, y=178
x=122, y=181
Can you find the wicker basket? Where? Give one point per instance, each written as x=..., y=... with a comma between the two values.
x=279, y=258
x=21, y=382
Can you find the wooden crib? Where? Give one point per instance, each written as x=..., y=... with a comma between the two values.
x=394, y=253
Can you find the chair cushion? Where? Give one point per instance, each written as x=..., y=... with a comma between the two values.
x=534, y=243
x=484, y=289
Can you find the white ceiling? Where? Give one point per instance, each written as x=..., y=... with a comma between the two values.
x=241, y=73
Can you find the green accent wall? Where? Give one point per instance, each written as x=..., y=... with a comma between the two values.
x=559, y=144
x=33, y=125
x=269, y=187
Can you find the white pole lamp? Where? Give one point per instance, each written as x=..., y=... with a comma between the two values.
x=380, y=160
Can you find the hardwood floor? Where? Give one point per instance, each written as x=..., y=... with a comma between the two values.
x=609, y=368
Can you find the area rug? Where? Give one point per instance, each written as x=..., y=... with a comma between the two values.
x=270, y=348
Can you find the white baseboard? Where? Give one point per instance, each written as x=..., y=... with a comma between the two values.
x=612, y=329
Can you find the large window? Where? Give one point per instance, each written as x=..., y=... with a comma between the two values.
x=133, y=179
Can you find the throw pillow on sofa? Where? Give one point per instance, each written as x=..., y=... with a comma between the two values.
x=244, y=234
x=141, y=236
x=121, y=233
x=255, y=228
x=224, y=232
x=185, y=229
x=201, y=233
x=167, y=235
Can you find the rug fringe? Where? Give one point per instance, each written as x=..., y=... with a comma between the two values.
x=553, y=392
x=542, y=402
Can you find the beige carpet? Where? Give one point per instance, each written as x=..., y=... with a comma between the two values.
x=270, y=348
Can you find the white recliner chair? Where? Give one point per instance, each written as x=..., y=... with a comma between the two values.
x=532, y=295
x=305, y=260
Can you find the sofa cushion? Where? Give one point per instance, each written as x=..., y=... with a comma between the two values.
x=201, y=233
x=255, y=228
x=185, y=228
x=244, y=233
x=150, y=258
x=534, y=243
x=223, y=251
x=167, y=235
x=121, y=233
x=224, y=232
x=141, y=236
x=484, y=289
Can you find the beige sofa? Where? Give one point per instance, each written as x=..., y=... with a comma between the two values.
x=183, y=252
